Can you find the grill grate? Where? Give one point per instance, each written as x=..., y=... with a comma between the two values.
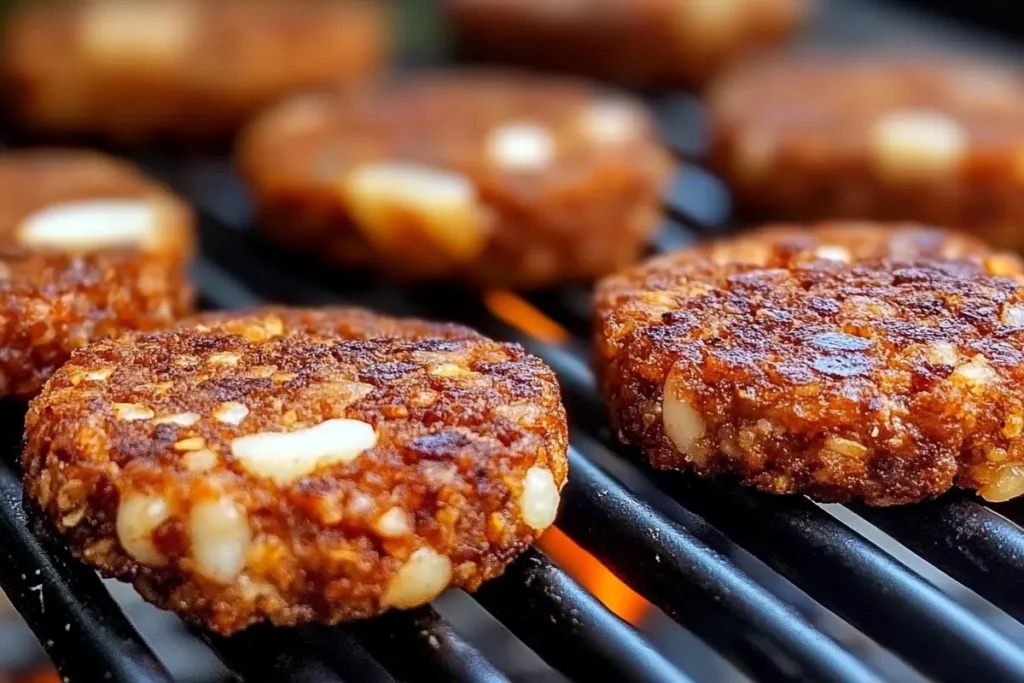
x=672, y=541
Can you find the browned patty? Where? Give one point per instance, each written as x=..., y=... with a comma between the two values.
x=842, y=361
x=89, y=248
x=491, y=177
x=935, y=140
x=640, y=42
x=345, y=322
x=180, y=68
x=244, y=470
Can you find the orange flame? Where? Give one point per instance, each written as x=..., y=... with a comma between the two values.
x=524, y=316
x=595, y=577
x=45, y=675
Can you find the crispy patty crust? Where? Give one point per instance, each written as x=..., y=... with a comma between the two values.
x=882, y=363
x=89, y=248
x=489, y=177
x=346, y=322
x=931, y=139
x=293, y=476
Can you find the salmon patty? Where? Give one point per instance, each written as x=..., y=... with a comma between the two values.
x=298, y=466
x=874, y=362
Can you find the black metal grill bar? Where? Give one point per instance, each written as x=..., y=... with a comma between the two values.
x=669, y=238
x=682, y=218
x=569, y=628
x=217, y=289
x=975, y=545
x=263, y=654
x=695, y=584
x=420, y=646
x=65, y=603
x=320, y=654
x=561, y=305
x=854, y=578
x=340, y=649
x=682, y=120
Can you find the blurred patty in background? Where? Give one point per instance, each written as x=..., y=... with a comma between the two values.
x=638, y=42
x=133, y=71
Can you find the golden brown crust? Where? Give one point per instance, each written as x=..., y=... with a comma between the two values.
x=133, y=71
x=459, y=423
x=640, y=42
x=346, y=322
x=52, y=302
x=928, y=139
x=889, y=376
x=584, y=208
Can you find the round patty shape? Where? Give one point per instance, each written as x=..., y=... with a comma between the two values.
x=136, y=70
x=639, y=42
x=298, y=476
x=89, y=248
x=491, y=177
x=847, y=361
x=867, y=137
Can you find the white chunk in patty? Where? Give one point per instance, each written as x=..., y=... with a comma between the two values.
x=612, y=122
x=138, y=516
x=424, y=576
x=92, y=225
x=287, y=456
x=398, y=206
x=521, y=147
x=683, y=425
x=539, y=500
x=917, y=145
x=134, y=32
x=220, y=535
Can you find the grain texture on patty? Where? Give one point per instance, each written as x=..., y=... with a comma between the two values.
x=179, y=69
x=297, y=476
x=825, y=137
x=345, y=322
x=89, y=248
x=489, y=177
x=846, y=361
